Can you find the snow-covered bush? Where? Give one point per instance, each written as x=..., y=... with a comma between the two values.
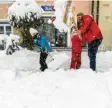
x=12, y=44
x=3, y=39
x=24, y=14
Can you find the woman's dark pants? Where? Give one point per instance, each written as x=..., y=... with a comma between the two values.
x=92, y=51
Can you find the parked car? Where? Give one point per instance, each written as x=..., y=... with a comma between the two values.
x=3, y=41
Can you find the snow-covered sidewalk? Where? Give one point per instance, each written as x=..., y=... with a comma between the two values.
x=63, y=88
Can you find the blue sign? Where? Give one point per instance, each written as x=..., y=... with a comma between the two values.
x=48, y=8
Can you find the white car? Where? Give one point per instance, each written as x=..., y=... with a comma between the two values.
x=3, y=40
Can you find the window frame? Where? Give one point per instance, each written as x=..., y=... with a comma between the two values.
x=5, y=25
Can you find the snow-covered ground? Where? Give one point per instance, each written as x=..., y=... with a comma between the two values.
x=23, y=86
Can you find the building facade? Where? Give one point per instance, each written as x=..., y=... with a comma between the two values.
x=5, y=27
x=105, y=23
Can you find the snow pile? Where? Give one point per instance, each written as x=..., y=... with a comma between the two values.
x=21, y=8
x=60, y=89
x=25, y=60
x=19, y=60
x=60, y=6
x=14, y=38
x=54, y=89
x=6, y=76
x=108, y=77
x=55, y=64
x=104, y=64
x=105, y=58
x=3, y=37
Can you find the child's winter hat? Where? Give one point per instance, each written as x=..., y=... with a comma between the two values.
x=33, y=32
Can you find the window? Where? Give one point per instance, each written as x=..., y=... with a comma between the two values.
x=1, y=29
x=8, y=30
x=5, y=27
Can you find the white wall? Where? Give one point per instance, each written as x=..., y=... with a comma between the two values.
x=105, y=23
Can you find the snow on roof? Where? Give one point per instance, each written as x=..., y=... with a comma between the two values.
x=20, y=8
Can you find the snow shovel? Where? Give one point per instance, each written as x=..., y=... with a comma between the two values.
x=51, y=58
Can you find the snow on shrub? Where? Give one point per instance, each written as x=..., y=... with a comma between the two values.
x=14, y=38
x=24, y=11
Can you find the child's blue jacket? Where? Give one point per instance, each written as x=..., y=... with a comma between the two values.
x=43, y=44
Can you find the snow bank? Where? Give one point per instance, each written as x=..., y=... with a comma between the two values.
x=19, y=60
x=107, y=75
x=59, y=89
x=25, y=60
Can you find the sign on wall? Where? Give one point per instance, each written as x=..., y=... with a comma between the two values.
x=48, y=8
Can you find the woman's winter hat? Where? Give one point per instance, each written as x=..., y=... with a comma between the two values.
x=33, y=32
x=80, y=13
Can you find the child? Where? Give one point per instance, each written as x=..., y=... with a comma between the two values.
x=41, y=41
x=76, y=42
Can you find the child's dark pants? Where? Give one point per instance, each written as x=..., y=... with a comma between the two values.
x=43, y=57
